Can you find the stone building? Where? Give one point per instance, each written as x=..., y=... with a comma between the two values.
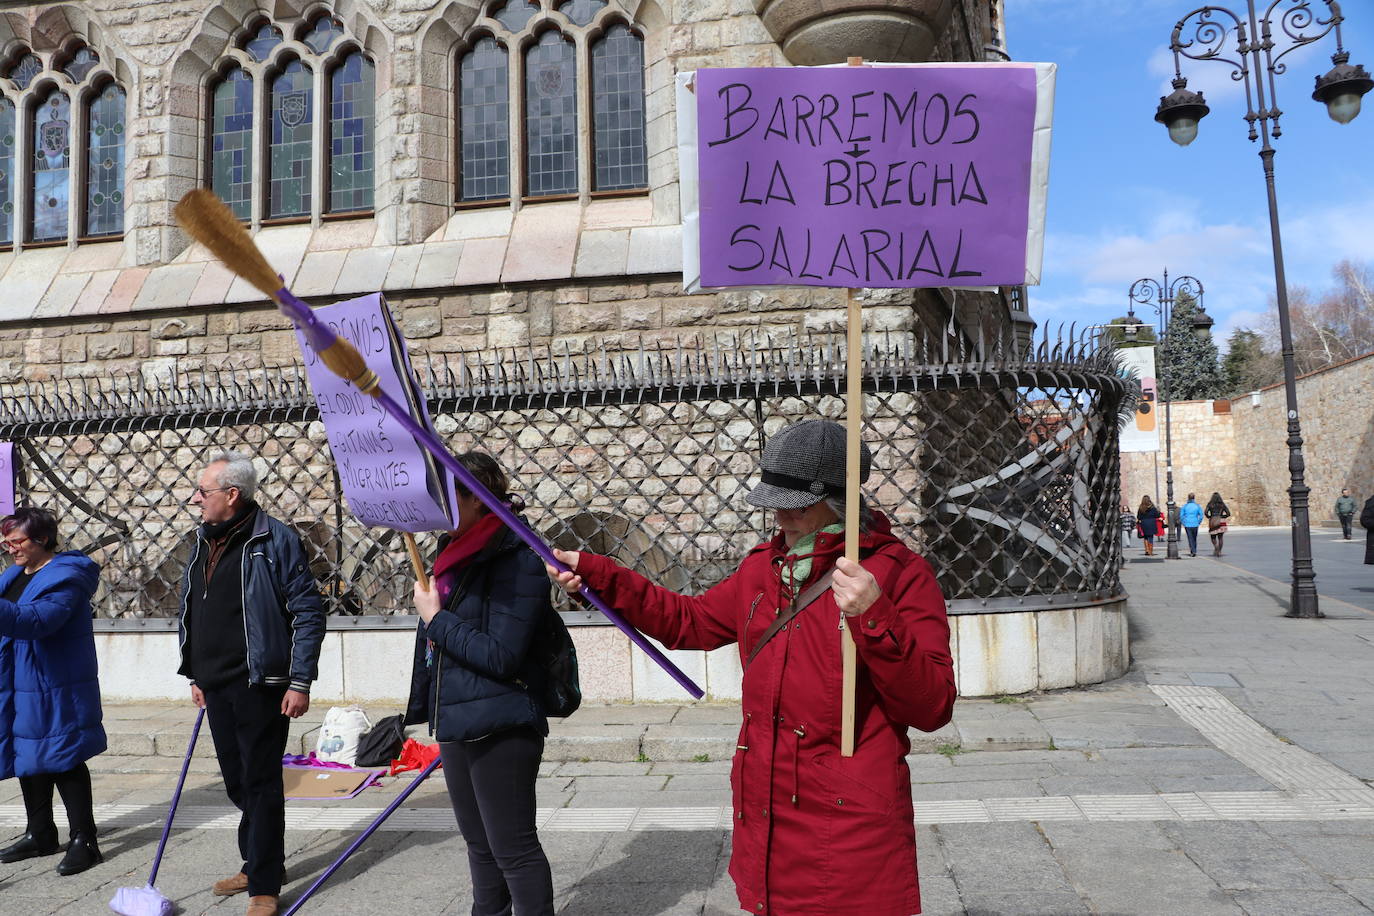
x=1239, y=448
x=505, y=170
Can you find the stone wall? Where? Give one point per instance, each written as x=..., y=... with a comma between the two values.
x=1243, y=453
x=1204, y=448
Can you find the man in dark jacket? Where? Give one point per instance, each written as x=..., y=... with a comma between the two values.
x=252, y=622
x=1345, y=511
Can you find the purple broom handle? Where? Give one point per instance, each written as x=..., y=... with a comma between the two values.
x=176, y=797
x=321, y=338
x=371, y=829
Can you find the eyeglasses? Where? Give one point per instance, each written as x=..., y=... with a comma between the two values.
x=206, y=491
x=15, y=544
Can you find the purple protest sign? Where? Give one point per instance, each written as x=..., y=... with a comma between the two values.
x=388, y=479
x=6, y=478
x=865, y=176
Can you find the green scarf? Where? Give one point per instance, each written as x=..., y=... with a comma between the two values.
x=798, y=571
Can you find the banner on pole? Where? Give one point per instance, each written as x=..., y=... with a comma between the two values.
x=388, y=478
x=1141, y=432
x=920, y=175
x=7, y=478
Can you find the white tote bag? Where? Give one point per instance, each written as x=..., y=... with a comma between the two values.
x=338, y=740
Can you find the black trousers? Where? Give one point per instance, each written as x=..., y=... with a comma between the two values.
x=249, y=731
x=74, y=786
x=491, y=784
x=1345, y=524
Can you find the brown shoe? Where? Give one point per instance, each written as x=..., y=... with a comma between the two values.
x=236, y=884
x=262, y=905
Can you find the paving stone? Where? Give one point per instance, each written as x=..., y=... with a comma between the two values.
x=1059, y=903
x=1240, y=856
x=1336, y=856
x=1287, y=903
x=1001, y=858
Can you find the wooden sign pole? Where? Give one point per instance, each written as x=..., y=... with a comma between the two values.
x=414, y=550
x=854, y=411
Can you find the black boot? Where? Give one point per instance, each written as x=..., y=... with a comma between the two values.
x=30, y=845
x=82, y=853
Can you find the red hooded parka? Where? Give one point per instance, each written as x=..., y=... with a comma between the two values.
x=816, y=834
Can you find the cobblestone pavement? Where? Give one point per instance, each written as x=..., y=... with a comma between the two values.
x=1229, y=772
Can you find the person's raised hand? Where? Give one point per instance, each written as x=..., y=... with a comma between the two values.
x=854, y=587
x=569, y=581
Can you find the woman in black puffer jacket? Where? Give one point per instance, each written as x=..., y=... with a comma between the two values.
x=471, y=684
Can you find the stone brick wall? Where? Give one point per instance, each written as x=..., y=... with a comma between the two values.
x=1204, y=447
x=1244, y=453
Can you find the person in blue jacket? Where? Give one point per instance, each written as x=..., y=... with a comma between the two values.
x=50, y=719
x=472, y=681
x=1190, y=517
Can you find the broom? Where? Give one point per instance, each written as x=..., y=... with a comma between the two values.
x=148, y=901
x=209, y=221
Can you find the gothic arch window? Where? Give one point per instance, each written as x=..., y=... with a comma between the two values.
x=291, y=130
x=62, y=156
x=562, y=83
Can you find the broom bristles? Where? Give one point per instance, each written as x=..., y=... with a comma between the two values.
x=208, y=220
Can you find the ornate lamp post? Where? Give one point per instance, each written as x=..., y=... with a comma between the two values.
x=1255, y=66
x=1160, y=297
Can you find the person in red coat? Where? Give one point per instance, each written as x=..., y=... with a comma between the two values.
x=815, y=833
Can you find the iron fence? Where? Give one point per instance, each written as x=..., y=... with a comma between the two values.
x=997, y=461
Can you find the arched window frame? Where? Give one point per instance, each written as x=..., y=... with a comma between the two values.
x=80, y=95
x=469, y=43
x=321, y=67
x=517, y=44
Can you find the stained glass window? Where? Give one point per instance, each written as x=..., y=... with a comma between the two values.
x=260, y=46
x=550, y=116
x=231, y=142
x=289, y=152
x=105, y=163
x=52, y=159
x=582, y=11
x=351, y=117
x=82, y=63
x=516, y=13
x=323, y=34
x=6, y=172
x=484, y=122
x=23, y=72
x=618, y=110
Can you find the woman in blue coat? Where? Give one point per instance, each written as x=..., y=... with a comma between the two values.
x=49, y=692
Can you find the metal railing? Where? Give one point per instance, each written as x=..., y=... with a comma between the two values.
x=995, y=460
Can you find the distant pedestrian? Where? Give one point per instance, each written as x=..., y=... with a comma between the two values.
x=1345, y=511
x=1217, y=514
x=1367, y=520
x=1190, y=516
x=1127, y=520
x=1149, y=524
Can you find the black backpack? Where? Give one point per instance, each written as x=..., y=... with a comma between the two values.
x=381, y=745
x=554, y=654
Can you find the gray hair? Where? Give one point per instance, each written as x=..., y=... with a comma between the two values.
x=238, y=472
x=837, y=505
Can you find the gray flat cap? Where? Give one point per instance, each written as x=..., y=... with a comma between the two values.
x=804, y=464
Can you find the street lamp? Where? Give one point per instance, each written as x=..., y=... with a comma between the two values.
x=1160, y=297
x=1341, y=90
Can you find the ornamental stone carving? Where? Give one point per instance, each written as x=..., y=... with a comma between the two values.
x=815, y=32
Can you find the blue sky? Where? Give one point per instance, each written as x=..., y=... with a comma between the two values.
x=1125, y=202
